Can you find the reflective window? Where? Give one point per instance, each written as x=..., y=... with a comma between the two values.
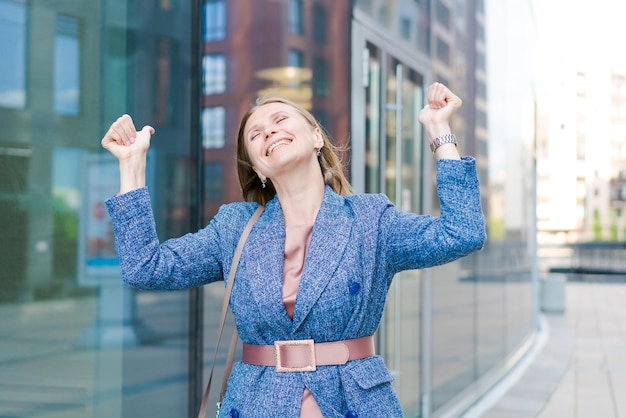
x=295, y=58
x=214, y=74
x=320, y=22
x=166, y=81
x=213, y=181
x=13, y=47
x=296, y=16
x=480, y=306
x=320, y=77
x=76, y=342
x=405, y=28
x=213, y=127
x=67, y=66
x=443, y=51
x=214, y=20
x=442, y=13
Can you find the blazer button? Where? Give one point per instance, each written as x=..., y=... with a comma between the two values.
x=354, y=288
x=234, y=413
x=351, y=414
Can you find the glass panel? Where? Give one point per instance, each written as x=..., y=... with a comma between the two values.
x=408, y=20
x=76, y=342
x=67, y=66
x=296, y=11
x=313, y=77
x=213, y=122
x=453, y=305
x=214, y=69
x=407, y=285
x=372, y=121
x=400, y=331
x=295, y=58
x=166, y=81
x=320, y=22
x=391, y=129
x=13, y=47
x=412, y=142
x=214, y=20
x=408, y=383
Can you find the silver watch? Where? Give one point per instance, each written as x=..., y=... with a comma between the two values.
x=442, y=139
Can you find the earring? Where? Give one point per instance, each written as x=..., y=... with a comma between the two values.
x=263, y=181
x=319, y=152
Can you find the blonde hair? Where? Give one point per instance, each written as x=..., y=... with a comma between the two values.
x=330, y=164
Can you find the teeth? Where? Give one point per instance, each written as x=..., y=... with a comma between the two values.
x=276, y=145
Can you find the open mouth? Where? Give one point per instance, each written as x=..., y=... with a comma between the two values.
x=276, y=145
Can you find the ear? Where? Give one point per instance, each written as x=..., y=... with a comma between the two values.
x=319, y=139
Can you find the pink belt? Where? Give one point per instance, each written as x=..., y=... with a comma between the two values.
x=305, y=355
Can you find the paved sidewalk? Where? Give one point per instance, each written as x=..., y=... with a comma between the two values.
x=581, y=370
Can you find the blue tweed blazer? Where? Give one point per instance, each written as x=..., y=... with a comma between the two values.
x=358, y=243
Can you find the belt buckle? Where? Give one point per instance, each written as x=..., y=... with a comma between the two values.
x=310, y=367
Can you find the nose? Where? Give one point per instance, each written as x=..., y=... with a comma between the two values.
x=269, y=131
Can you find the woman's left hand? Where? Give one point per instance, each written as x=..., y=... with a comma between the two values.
x=436, y=114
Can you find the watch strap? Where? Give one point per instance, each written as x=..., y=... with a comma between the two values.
x=442, y=139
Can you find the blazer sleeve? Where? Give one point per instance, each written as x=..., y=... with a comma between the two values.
x=419, y=241
x=189, y=261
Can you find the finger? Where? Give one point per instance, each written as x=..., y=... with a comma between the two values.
x=150, y=130
x=110, y=140
x=112, y=136
x=128, y=127
x=119, y=134
x=437, y=95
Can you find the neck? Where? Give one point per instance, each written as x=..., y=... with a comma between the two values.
x=300, y=201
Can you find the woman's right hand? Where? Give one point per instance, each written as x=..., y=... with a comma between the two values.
x=124, y=142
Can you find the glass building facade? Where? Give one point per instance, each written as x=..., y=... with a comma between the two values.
x=76, y=342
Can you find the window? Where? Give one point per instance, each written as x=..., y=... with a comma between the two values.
x=481, y=89
x=295, y=58
x=213, y=121
x=295, y=14
x=213, y=181
x=13, y=47
x=481, y=62
x=214, y=20
x=214, y=74
x=405, y=28
x=320, y=77
x=443, y=15
x=320, y=24
x=166, y=83
x=67, y=66
x=443, y=51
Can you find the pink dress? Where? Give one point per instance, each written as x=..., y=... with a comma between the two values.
x=296, y=244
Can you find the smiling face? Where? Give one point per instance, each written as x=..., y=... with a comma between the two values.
x=248, y=154
x=278, y=137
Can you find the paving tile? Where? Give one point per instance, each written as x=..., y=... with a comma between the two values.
x=581, y=371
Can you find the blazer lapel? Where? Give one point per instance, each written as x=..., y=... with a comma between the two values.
x=330, y=236
x=264, y=272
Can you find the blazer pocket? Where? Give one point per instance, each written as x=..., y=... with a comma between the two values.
x=368, y=372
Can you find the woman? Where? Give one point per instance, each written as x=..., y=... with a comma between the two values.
x=315, y=271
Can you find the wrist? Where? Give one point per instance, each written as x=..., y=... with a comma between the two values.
x=441, y=140
x=436, y=130
x=132, y=175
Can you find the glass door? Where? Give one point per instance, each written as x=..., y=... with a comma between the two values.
x=387, y=157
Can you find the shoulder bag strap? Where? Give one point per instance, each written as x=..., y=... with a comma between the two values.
x=229, y=286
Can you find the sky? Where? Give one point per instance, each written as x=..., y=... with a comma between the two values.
x=588, y=32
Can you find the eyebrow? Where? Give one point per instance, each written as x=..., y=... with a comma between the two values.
x=255, y=126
